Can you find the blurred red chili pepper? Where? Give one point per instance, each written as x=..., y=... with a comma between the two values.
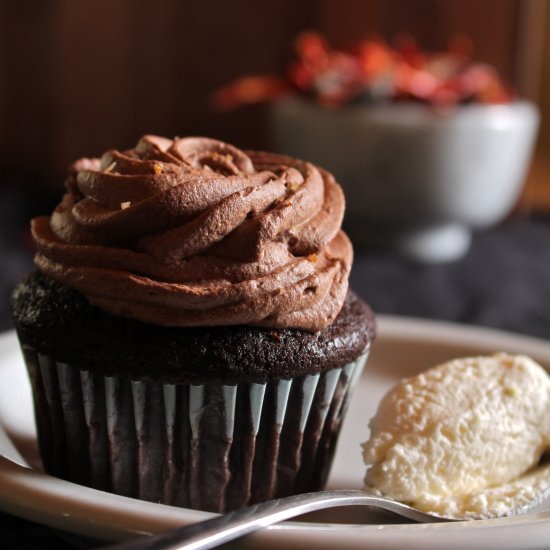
x=373, y=71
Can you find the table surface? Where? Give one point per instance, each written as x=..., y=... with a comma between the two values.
x=503, y=282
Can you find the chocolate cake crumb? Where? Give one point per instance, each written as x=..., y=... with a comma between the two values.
x=59, y=322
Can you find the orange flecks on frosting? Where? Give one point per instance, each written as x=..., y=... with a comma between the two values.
x=111, y=167
x=293, y=186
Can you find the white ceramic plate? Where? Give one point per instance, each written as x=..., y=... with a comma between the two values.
x=404, y=347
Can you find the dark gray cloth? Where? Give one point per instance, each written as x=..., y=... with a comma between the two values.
x=503, y=282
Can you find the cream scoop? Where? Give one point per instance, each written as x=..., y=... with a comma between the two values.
x=464, y=439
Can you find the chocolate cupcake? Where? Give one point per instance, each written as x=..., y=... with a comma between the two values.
x=189, y=333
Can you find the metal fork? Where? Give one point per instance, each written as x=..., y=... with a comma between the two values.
x=227, y=527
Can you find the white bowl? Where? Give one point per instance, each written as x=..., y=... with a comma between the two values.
x=419, y=178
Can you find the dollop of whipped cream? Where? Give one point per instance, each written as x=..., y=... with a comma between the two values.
x=195, y=232
x=464, y=439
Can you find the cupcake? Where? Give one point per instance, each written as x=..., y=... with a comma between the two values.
x=189, y=332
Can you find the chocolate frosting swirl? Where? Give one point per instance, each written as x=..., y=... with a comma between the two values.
x=193, y=231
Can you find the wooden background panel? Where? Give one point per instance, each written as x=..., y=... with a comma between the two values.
x=77, y=76
x=26, y=118
x=491, y=24
x=80, y=79
x=536, y=194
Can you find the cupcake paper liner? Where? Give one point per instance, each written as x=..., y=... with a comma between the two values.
x=210, y=447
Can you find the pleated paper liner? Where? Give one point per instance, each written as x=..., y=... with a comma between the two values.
x=210, y=447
